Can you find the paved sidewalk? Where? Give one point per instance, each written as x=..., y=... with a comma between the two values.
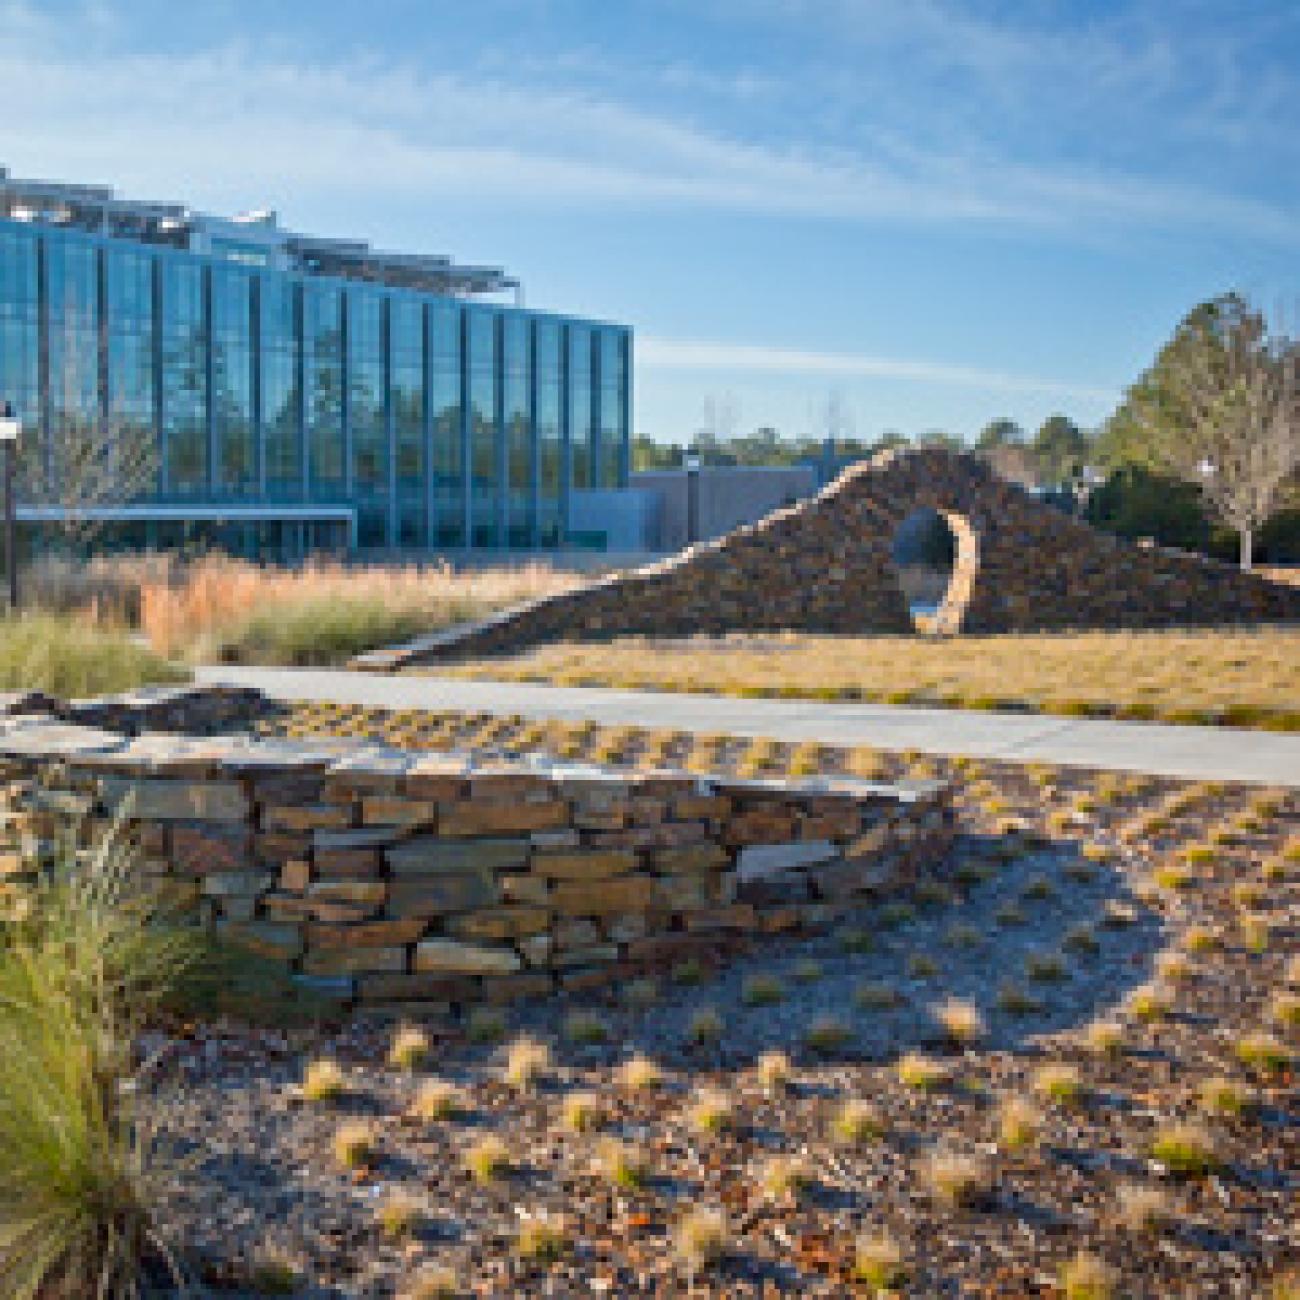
x=1195, y=753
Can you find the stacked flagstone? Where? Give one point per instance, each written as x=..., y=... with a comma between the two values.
x=385, y=876
x=826, y=565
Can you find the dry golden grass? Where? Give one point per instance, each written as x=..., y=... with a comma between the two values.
x=222, y=608
x=1238, y=677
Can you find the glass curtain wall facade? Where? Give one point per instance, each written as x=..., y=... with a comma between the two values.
x=443, y=423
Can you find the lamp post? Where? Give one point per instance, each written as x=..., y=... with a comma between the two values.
x=691, y=464
x=1206, y=470
x=9, y=427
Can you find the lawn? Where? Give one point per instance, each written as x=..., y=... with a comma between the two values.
x=1244, y=678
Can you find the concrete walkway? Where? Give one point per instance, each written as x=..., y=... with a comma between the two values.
x=1195, y=753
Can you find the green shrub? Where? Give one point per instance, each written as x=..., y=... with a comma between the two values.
x=79, y=1170
x=71, y=659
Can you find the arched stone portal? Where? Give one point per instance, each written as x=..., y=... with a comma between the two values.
x=825, y=565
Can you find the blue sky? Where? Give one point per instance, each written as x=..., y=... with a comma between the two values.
x=937, y=212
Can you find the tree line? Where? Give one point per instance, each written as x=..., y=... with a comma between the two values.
x=1202, y=452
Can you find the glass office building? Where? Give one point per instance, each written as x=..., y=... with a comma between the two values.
x=297, y=393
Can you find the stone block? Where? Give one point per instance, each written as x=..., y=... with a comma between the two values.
x=694, y=858
x=346, y=863
x=295, y=876
x=276, y=939
x=763, y=861
x=489, y=817
x=207, y=848
x=595, y=954
x=499, y=923
x=430, y=896
x=366, y=934
x=430, y=856
x=504, y=989
x=231, y=884
x=163, y=800
x=600, y=897
x=306, y=817
x=590, y=864
x=707, y=807
x=456, y=958
x=536, y=950
x=359, y=893
x=760, y=827
x=354, y=961
x=386, y=810
x=525, y=889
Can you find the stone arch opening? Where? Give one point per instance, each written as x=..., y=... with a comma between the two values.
x=933, y=552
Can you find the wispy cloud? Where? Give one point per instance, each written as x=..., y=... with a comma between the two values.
x=261, y=122
x=696, y=354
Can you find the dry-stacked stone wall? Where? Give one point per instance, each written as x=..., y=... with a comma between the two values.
x=826, y=565
x=382, y=876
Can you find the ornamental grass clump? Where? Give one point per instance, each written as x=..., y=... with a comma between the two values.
x=1059, y=1083
x=410, y=1049
x=957, y=1180
x=581, y=1112
x=1263, y=1054
x=785, y=1178
x=711, y=1112
x=1185, y=1148
x=622, y=1164
x=1086, y=1277
x=762, y=991
x=323, y=1080
x=1224, y=1097
x=857, y=1122
x=1019, y=1125
x=1142, y=1207
x=354, y=1145
x=920, y=1072
x=543, y=1241
x=775, y=1073
x=960, y=1021
x=878, y=1262
x=701, y=1238
x=436, y=1101
x=585, y=1028
x=827, y=1034
x=705, y=1028
x=82, y=1177
x=639, y=1074
x=487, y=1160
x=526, y=1062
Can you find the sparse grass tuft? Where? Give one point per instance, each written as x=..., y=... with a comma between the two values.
x=323, y=1080
x=1284, y=1010
x=1045, y=967
x=762, y=991
x=1019, y=1124
x=1185, y=1148
x=1016, y=1001
x=434, y=1282
x=711, y=1112
x=701, y=1238
x=785, y=1178
x=486, y=1025
x=526, y=1061
x=581, y=1112
x=354, y=1145
x=435, y=1102
x=961, y=1021
x=807, y=971
x=639, y=1074
x=960, y=1181
x=398, y=1215
x=623, y=1165
x=857, y=1122
x=410, y=1048
x=1142, y=1207
x=1086, y=1277
x=774, y=1073
x=543, y=1240
x=585, y=1028
x=488, y=1159
x=1059, y=1083
x=1104, y=1037
x=1262, y=1053
x=1224, y=1097
x=879, y=1263
x=876, y=995
x=1150, y=1003
x=827, y=1034
x=706, y=1027
x=920, y=1072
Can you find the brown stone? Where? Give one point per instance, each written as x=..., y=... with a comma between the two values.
x=584, y=865
x=709, y=807
x=295, y=876
x=431, y=856
x=484, y=817
x=367, y=934
x=525, y=889
x=266, y=938
x=693, y=858
x=390, y=811
x=430, y=896
x=346, y=862
x=599, y=897
x=502, y=989
x=354, y=961
x=456, y=958
x=499, y=923
x=202, y=849
x=306, y=817
x=361, y=893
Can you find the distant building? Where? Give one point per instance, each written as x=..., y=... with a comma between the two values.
x=303, y=393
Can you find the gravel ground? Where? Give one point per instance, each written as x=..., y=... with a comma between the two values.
x=262, y=1183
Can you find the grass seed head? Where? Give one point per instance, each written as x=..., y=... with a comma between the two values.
x=323, y=1080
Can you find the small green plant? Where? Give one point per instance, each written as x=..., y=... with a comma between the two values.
x=711, y=1112
x=434, y=1282
x=1185, y=1148
x=1009, y=915
x=1082, y=939
x=856, y=1122
x=1149, y=1003
x=920, y=1072
x=1284, y=1010
x=1224, y=1097
x=543, y=1240
x=487, y=1160
x=1016, y=1001
x=354, y=1145
x=705, y=1028
x=1038, y=890
x=896, y=914
x=855, y=940
x=1045, y=967
x=827, y=1034
x=486, y=1025
x=580, y=1112
x=323, y=1080
x=774, y=1072
x=1256, y=932
x=921, y=966
x=785, y=1178
x=526, y=1061
x=762, y=991
x=640, y=994
x=1104, y=1037
x=625, y=1166
x=960, y=1021
x=436, y=1102
x=639, y=1074
x=410, y=1049
x=876, y=996
x=274, y=1273
x=701, y=1238
x=1019, y=1124
x=399, y=1215
x=1086, y=1277
x=807, y=971
x=1059, y=1083
x=689, y=972
x=1262, y=1053
x=878, y=1262
x=1200, y=939
x=961, y=1181
x=585, y=1028
x=1142, y=1207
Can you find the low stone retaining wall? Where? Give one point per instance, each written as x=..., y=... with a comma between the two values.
x=383, y=876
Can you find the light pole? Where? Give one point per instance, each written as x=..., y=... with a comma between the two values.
x=9, y=428
x=691, y=464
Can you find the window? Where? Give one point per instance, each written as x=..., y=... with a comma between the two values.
x=580, y=413
x=517, y=419
x=406, y=371
x=485, y=485
x=366, y=414
x=19, y=335
x=447, y=415
x=323, y=368
x=184, y=379
x=232, y=381
x=281, y=354
x=550, y=432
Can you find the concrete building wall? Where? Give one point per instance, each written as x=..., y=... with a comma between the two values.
x=730, y=496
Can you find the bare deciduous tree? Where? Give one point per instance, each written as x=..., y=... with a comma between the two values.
x=1227, y=416
x=88, y=462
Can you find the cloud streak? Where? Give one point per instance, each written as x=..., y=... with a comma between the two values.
x=696, y=354
x=261, y=122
